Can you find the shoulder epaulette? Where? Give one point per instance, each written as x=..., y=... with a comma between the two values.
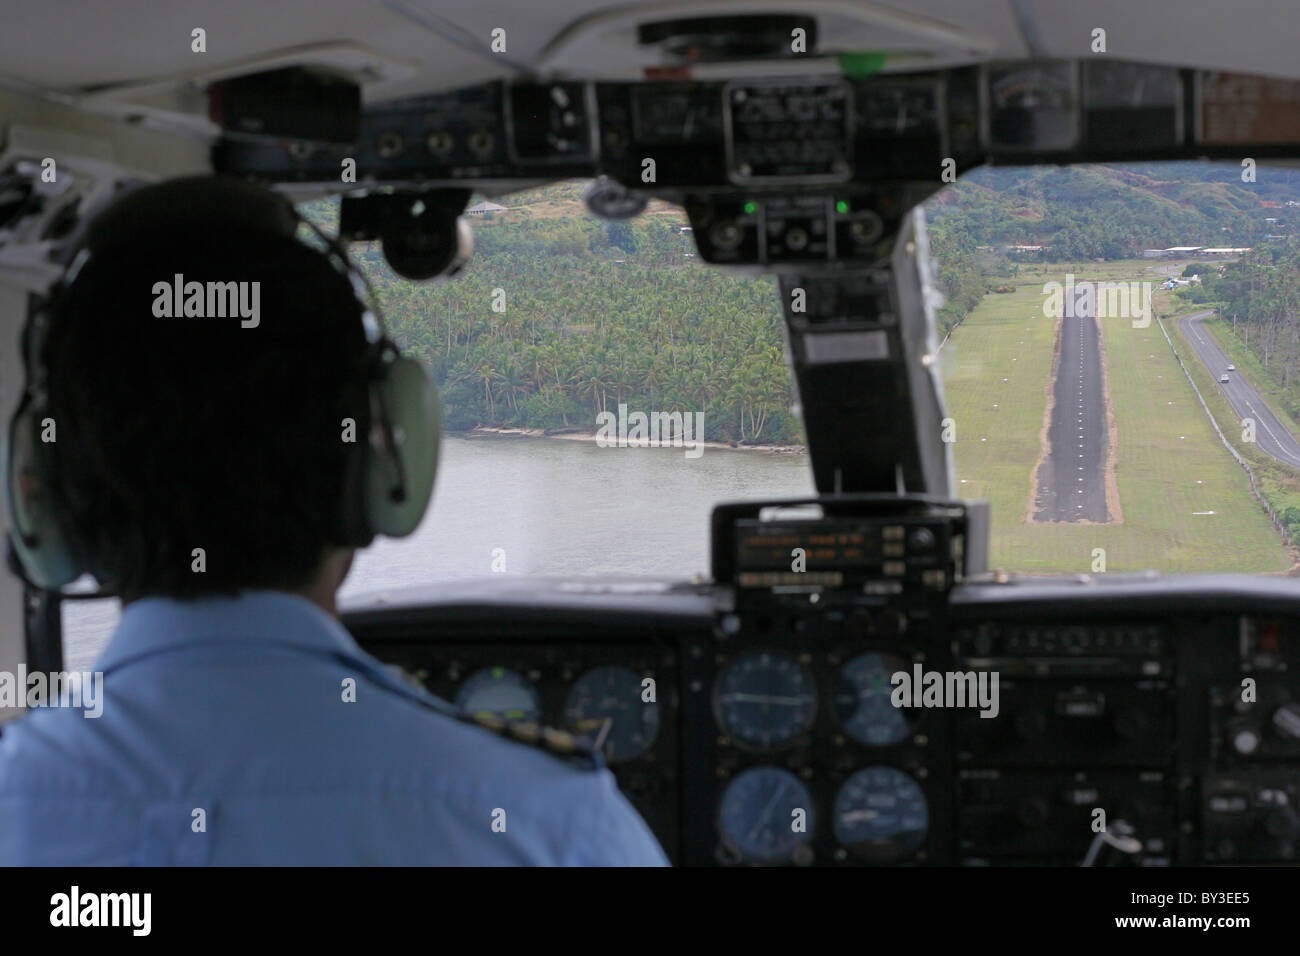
x=560, y=743
x=576, y=750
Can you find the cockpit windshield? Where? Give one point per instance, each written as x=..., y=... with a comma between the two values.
x=1118, y=352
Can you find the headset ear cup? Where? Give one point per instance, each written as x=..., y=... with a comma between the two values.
x=410, y=399
x=38, y=539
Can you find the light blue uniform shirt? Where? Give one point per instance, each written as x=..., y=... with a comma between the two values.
x=235, y=707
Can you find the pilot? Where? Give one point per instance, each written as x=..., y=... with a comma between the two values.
x=222, y=425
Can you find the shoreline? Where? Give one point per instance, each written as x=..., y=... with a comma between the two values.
x=579, y=435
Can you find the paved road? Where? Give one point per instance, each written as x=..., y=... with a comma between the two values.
x=1271, y=435
x=1072, y=477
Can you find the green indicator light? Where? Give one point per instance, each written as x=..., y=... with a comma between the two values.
x=861, y=64
x=751, y=207
x=841, y=206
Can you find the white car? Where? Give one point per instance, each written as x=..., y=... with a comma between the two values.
x=1232, y=368
x=1223, y=377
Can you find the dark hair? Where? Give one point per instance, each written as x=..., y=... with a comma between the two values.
x=183, y=433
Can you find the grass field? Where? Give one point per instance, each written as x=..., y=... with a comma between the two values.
x=1169, y=462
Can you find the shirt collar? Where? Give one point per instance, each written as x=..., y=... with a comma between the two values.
x=268, y=618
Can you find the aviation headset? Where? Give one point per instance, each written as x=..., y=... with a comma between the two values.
x=390, y=469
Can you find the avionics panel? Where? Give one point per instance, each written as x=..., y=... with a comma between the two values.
x=770, y=134
x=1153, y=709
x=839, y=552
x=849, y=541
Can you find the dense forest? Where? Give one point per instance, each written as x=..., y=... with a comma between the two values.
x=560, y=316
x=1111, y=212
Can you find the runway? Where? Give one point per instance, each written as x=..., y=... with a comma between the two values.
x=1071, y=483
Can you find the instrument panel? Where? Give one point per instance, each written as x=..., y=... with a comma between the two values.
x=1160, y=727
x=775, y=132
x=793, y=174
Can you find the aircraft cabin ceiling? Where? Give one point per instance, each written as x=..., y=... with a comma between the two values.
x=405, y=47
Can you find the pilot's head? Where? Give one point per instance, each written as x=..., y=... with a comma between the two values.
x=213, y=387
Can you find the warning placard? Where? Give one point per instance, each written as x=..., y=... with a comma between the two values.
x=1236, y=108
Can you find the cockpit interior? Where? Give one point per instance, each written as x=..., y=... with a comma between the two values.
x=853, y=673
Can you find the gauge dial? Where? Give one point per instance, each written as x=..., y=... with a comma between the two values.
x=881, y=814
x=1034, y=87
x=665, y=113
x=766, y=815
x=1032, y=107
x=901, y=109
x=765, y=700
x=499, y=692
x=606, y=703
x=863, y=701
x=1116, y=85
